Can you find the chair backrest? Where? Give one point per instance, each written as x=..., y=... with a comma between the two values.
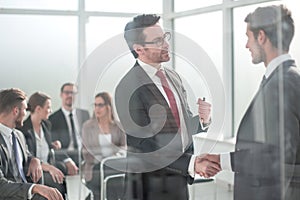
x=112, y=178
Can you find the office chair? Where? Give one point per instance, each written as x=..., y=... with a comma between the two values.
x=112, y=180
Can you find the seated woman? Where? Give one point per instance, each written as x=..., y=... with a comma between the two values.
x=36, y=130
x=101, y=138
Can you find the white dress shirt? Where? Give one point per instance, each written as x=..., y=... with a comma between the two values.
x=42, y=148
x=75, y=119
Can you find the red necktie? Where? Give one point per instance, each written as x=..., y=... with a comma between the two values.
x=170, y=96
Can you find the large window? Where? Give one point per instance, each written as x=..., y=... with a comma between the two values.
x=134, y=6
x=38, y=53
x=38, y=4
x=182, y=5
x=208, y=37
x=47, y=41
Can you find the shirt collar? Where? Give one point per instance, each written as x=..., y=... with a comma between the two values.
x=150, y=70
x=66, y=112
x=275, y=63
x=5, y=130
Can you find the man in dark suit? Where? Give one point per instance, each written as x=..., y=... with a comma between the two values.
x=152, y=106
x=66, y=127
x=16, y=163
x=266, y=160
x=19, y=191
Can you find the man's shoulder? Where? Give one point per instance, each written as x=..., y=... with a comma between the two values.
x=56, y=114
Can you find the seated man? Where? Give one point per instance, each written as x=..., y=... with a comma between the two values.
x=66, y=126
x=16, y=163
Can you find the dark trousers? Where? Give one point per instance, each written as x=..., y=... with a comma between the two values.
x=49, y=182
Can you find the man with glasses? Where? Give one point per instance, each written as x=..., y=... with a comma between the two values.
x=152, y=106
x=66, y=127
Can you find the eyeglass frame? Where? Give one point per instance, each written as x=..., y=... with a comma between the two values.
x=99, y=105
x=69, y=93
x=160, y=41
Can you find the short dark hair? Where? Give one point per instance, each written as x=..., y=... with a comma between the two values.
x=276, y=22
x=37, y=99
x=66, y=84
x=133, y=32
x=10, y=98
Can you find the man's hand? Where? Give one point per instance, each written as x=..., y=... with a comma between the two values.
x=56, y=174
x=207, y=165
x=56, y=145
x=204, y=109
x=71, y=168
x=35, y=170
x=47, y=192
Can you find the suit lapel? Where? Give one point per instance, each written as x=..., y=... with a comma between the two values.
x=6, y=162
x=31, y=133
x=4, y=147
x=144, y=80
x=177, y=85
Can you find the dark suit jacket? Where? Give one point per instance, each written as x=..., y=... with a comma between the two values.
x=268, y=140
x=27, y=130
x=60, y=131
x=5, y=164
x=60, y=127
x=154, y=131
x=13, y=191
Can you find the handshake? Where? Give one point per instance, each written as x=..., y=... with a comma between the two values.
x=207, y=165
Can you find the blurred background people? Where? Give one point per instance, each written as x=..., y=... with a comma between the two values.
x=36, y=130
x=101, y=138
x=66, y=126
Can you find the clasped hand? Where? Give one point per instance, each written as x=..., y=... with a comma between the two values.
x=207, y=165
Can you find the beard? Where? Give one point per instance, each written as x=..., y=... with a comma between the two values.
x=258, y=55
x=69, y=102
x=19, y=121
x=157, y=55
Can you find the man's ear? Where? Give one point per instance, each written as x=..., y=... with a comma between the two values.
x=138, y=48
x=261, y=37
x=16, y=110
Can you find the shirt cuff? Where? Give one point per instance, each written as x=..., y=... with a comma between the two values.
x=191, y=169
x=205, y=126
x=30, y=195
x=67, y=160
x=225, y=161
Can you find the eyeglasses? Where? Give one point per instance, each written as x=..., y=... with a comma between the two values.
x=69, y=92
x=100, y=105
x=160, y=41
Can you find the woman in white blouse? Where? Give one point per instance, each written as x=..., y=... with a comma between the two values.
x=101, y=138
x=36, y=130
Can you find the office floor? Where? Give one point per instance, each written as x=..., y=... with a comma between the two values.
x=211, y=191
